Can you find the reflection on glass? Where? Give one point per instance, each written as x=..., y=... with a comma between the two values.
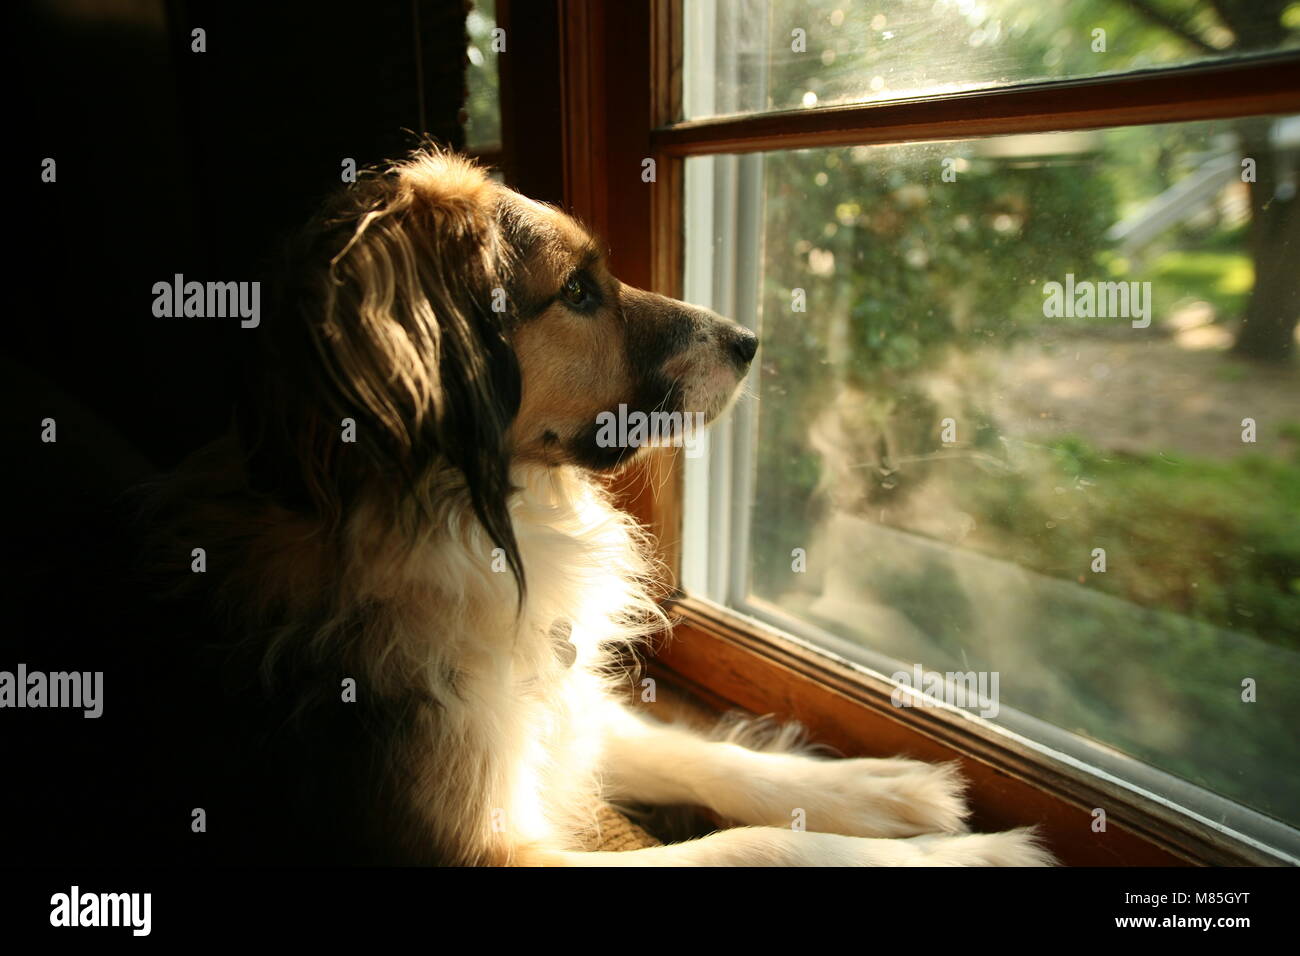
x=757, y=55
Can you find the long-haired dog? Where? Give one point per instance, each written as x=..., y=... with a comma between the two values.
x=413, y=581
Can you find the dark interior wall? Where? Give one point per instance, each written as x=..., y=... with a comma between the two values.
x=168, y=161
x=174, y=161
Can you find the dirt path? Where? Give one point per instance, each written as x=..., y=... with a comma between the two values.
x=1180, y=395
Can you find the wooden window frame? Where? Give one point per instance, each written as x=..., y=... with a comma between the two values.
x=618, y=101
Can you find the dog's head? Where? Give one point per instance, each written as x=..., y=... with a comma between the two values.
x=462, y=328
x=606, y=368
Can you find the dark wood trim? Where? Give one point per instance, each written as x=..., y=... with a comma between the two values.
x=582, y=65
x=609, y=54
x=666, y=103
x=666, y=62
x=605, y=63
x=1246, y=87
x=656, y=492
x=532, y=147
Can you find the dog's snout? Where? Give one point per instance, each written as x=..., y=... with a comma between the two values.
x=743, y=345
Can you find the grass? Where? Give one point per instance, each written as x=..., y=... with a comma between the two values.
x=1215, y=541
x=1214, y=268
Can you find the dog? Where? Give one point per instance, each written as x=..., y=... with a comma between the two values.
x=413, y=582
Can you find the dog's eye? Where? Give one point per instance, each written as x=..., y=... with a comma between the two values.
x=575, y=292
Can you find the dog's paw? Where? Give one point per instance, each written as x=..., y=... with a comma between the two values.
x=885, y=798
x=1012, y=848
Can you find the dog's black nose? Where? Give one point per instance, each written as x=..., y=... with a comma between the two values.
x=744, y=345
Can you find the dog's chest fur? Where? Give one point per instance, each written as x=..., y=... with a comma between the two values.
x=531, y=685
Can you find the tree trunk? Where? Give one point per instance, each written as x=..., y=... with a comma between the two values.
x=1268, y=326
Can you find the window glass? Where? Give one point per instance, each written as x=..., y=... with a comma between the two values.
x=482, y=76
x=1027, y=408
x=758, y=55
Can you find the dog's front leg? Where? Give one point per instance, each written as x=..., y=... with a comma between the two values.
x=772, y=846
x=650, y=762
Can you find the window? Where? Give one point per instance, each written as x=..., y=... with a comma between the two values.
x=1027, y=414
x=483, y=79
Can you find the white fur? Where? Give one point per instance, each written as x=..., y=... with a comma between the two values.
x=563, y=741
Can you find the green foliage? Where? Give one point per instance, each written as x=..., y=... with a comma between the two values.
x=1224, y=279
x=865, y=51
x=1214, y=541
x=920, y=263
x=483, y=79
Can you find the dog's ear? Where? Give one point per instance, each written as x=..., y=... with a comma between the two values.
x=386, y=321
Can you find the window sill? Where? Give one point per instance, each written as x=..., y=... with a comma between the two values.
x=726, y=661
